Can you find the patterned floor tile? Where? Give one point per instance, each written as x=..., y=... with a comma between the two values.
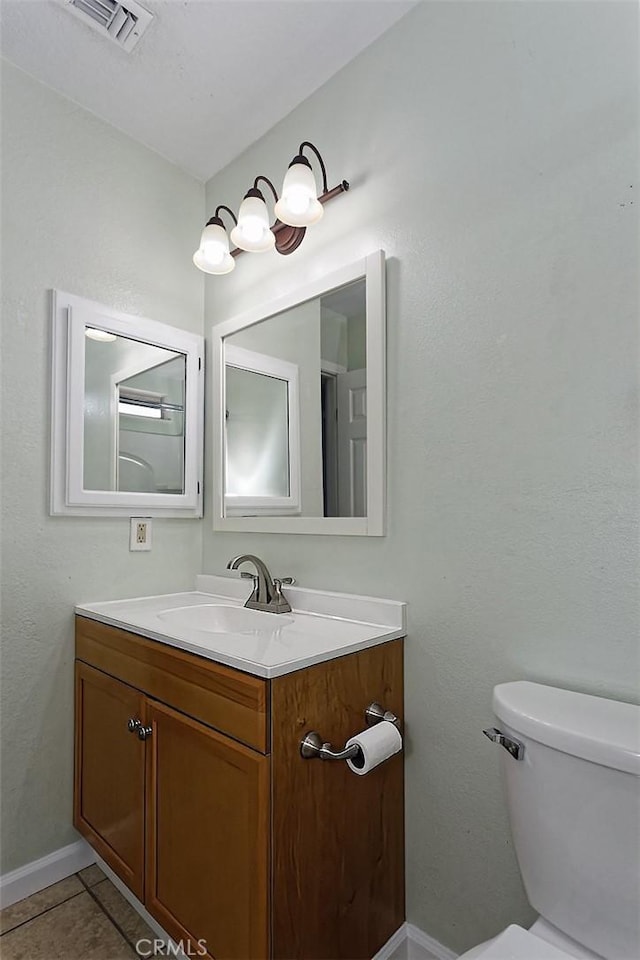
x=75, y=930
x=36, y=904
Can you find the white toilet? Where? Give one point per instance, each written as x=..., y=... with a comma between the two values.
x=574, y=805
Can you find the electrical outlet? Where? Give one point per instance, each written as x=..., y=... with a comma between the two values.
x=140, y=533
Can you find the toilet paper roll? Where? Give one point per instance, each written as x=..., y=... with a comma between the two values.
x=376, y=745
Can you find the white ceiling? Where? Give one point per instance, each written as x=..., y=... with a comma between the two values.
x=208, y=78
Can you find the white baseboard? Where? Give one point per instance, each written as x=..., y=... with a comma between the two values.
x=41, y=873
x=139, y=907
x=392, y=944
x=417, y=936
x=411, y=943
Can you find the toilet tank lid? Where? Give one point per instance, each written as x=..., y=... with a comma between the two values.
x=592, y=728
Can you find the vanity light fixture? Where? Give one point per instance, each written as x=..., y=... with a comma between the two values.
x=299, y=207
x=212, y=256
x=253, y=231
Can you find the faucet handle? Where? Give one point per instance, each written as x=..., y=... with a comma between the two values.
x=245, y=575
x=280, y=581
x=280, y=602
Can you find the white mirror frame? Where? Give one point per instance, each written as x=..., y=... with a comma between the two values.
x=70, y=316
x=372, y=269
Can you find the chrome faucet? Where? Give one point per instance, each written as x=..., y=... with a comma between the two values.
x=267, y=592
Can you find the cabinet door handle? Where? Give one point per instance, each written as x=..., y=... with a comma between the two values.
x=144, y=732
x=133, y=725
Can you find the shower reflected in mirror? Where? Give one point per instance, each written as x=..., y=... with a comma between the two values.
x=134, y=416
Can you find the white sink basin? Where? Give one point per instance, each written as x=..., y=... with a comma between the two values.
x=220, y=618
x=212, y=622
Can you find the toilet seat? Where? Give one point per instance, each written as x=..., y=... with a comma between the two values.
x=515, y=943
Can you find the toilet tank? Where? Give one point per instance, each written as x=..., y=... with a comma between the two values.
x=574, y=807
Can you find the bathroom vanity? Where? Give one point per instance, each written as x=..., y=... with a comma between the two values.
x=189, y=780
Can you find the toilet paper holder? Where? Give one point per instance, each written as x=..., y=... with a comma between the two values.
x=312, y=745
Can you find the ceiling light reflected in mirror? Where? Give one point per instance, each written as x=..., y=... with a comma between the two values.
x=100, y=336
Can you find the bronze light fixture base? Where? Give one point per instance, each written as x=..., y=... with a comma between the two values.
x=288, y=238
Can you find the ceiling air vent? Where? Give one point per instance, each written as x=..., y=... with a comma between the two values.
x=124, y=23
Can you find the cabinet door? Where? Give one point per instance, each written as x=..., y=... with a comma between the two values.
x=110, y=773
x=207, y=831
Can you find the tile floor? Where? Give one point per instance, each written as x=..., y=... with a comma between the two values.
x=81, y=918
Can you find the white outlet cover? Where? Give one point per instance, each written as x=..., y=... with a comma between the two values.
x=140, y=530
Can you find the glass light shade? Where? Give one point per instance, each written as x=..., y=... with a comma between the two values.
x=102, y=336
x=299, y=206
x=253, y=232
x=213, y=255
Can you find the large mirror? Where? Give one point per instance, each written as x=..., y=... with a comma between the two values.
x=127, y=414
x=300, y=411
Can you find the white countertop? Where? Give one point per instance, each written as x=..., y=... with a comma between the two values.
x=320, y=627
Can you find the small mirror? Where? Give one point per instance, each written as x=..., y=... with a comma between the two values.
x=127, y=414
x=302, y=410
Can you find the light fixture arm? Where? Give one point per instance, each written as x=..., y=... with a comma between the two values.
x=267, y=181
x=307, y=143
x=223, y=206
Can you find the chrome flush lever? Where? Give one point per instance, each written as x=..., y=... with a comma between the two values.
x=511, y=745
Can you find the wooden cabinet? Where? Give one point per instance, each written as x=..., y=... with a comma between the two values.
x=110, y=773
x=215, y=822
x=338, y=851
x=207, y=817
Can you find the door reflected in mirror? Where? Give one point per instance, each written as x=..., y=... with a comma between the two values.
x=295, y=434
x=134, y=416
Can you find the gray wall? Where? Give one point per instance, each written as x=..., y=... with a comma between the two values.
x=89, y=211
x=492, y=151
